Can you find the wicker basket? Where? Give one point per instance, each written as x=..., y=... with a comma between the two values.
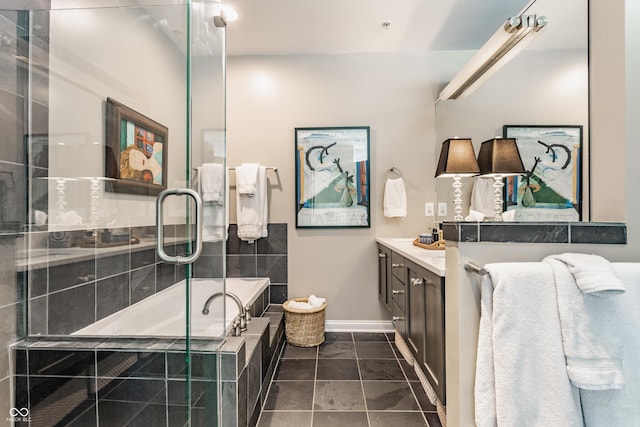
x=304, y=328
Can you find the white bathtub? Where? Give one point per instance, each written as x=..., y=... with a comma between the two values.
x=163, y=314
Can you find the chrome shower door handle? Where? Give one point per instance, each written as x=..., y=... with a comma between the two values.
x=160, y=226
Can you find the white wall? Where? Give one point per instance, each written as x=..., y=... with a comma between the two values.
x=270, y=96
x=631, y=113
x=608, y=118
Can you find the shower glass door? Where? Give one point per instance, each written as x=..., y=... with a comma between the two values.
x=118, y=103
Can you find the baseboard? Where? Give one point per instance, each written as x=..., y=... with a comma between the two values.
x=358, y=326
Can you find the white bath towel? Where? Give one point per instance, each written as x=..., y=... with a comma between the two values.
x=521, y=379
x=590, y=324
x=395, y=198
x=212, y=182
x=247, y=178
x=252, y=210
x=594, y=274
x=621, y=407
x=215, y=221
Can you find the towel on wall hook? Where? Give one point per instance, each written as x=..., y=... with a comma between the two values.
x=395, y=195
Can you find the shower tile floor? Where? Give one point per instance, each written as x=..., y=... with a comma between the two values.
x=354, y=378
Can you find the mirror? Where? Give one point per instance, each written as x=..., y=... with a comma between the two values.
x=545, y=84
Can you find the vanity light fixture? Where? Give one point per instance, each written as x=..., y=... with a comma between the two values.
x=499, y=158
x=510, y=39
x=457, y=159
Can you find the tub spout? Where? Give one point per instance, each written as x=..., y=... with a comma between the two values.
x=234, y=297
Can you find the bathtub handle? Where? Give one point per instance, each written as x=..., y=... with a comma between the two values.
x=160, y=226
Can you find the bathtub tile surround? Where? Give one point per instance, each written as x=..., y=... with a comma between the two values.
x=117, y=382
x=265, y=258
x=356, y=379
x=95, y=284
x=66, y=294
x=536, y=232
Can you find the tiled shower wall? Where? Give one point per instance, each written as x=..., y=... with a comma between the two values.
x=67, y=297
x=14, y=164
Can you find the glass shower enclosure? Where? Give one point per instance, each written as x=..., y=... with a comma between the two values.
x=118, y=106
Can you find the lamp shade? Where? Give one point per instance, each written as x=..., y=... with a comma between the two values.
x=457, y=158
x=500, y=156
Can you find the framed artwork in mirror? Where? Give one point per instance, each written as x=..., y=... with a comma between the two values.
x=332, y=177
x=135, y=151
x=551, y=188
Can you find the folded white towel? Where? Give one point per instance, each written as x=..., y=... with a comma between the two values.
x=312, y=302
x=212, y=182
x=315, y=301
x=521, y=379
x=215, y=221
x=594, y=274
x=395, y=198
x=252, y=210
x=621, y=407
x=590, y=324
x=300, y=305
x=247, y=178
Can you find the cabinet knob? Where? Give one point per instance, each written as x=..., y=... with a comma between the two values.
x=417, y=282
x=397, y=291
x=397, y=265
x=382, y=255
x=396, y=318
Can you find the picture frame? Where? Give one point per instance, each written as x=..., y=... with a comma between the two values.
x=136, y=150
x=332, y=177
x=551, y=189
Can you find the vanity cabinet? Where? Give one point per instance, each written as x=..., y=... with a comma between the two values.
x=415, y=296
x=384, y=277
x=425, y=324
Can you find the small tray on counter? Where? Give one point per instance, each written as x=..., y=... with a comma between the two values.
x=435, y=246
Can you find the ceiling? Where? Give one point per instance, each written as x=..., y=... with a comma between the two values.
x=299, y=27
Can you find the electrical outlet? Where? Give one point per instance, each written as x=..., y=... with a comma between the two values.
x=442, y=209
x=428, y=209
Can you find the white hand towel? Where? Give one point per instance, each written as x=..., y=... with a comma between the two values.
x=482, y=196
x=590, y=328
x=247, y=178
x=252, y=210
x=594, y=274
x=212, y=182
x=215, y=221
x=395, y=198
x=521, y=379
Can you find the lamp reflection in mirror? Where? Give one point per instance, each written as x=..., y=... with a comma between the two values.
x=499, y=158
x=457, y=159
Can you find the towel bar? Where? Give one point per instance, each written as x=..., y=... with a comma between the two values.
x=269, y=168
x=473, y=268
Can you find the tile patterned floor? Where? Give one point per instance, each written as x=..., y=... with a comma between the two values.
x=356, y=379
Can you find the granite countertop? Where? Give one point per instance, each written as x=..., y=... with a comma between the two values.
x=432, y=260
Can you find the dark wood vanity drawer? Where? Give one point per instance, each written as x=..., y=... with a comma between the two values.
x=399, y=293
x=398, y=266
x=399, y=322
